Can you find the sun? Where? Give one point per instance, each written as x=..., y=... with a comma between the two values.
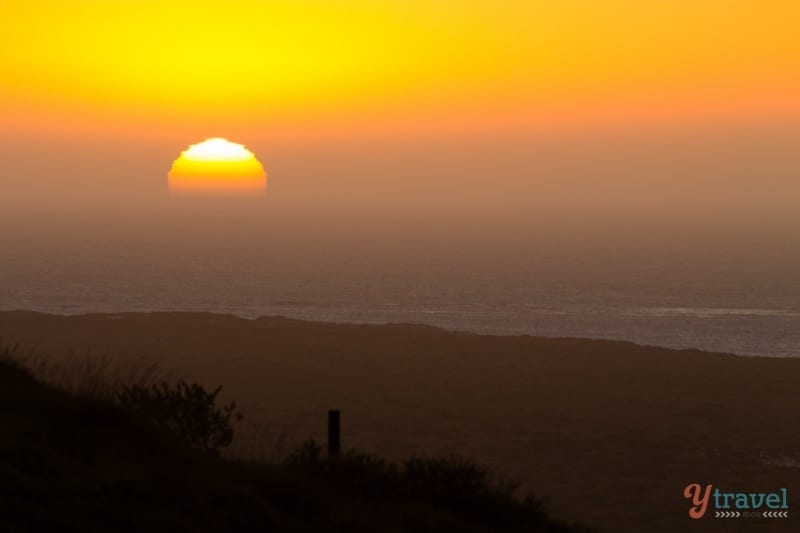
x=217, y=166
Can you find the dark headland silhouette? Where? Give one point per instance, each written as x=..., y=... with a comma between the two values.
x=608, y=432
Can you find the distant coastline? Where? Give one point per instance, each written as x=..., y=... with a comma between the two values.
x=15, y=316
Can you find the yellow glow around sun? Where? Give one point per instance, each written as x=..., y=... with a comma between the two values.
x=217, y=166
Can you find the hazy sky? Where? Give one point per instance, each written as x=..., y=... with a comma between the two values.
x=473, y=114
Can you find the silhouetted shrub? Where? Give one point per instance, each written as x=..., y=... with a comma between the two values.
x=451, y=483
x=187, y=410
x=362, y=471
x=306, y=456
x=458, y=482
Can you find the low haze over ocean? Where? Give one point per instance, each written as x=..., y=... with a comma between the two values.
x=730, y=304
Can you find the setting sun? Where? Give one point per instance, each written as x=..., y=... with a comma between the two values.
x=545, y=241
x=217, y=166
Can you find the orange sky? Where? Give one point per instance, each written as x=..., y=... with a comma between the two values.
x=191, y=69
x=369, y=110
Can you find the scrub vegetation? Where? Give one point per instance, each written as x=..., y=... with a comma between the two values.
x=147, y=458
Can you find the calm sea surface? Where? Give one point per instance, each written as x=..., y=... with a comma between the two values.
x=729, y=305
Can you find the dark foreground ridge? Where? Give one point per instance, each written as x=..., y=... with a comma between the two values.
x=610, y=432
x=75, y=463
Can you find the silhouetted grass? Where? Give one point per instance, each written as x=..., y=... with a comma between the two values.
x=94, y=375
x=79, y=462
x=452, y=483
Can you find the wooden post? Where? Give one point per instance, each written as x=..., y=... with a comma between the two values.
x=334, y=435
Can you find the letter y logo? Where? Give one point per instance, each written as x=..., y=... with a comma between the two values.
x=699, y=499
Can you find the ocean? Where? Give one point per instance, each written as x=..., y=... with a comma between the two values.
x=713, y=300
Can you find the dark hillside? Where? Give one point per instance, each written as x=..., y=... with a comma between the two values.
x=72, y=463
